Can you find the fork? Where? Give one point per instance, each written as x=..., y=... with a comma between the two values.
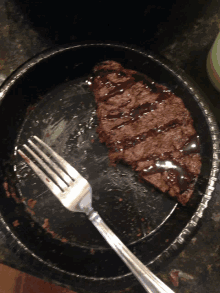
x=75, y=193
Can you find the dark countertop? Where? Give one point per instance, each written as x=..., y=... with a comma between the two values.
x=184, y=35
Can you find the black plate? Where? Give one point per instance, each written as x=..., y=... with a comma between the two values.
x=51, y=100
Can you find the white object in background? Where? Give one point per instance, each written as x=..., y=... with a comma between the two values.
x=213, y=63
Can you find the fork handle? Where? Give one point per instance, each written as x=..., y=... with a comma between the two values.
x=147, y=279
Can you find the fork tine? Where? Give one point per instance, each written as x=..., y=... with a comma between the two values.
x=53, y=187
x=59, y=171
x=64, y=164
x=56, y=178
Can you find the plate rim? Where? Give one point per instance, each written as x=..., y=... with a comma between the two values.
x=214, y=133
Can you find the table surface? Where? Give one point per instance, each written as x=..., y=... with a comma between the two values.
x=184, y=36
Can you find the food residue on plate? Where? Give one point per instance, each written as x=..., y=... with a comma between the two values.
x=46, y=226
x=30, y=211
x=11, y=193
x=31, y=203
x=16, y=223
x=5, y=186
x=29, y=109
x=64, y=240
x=92, y=251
